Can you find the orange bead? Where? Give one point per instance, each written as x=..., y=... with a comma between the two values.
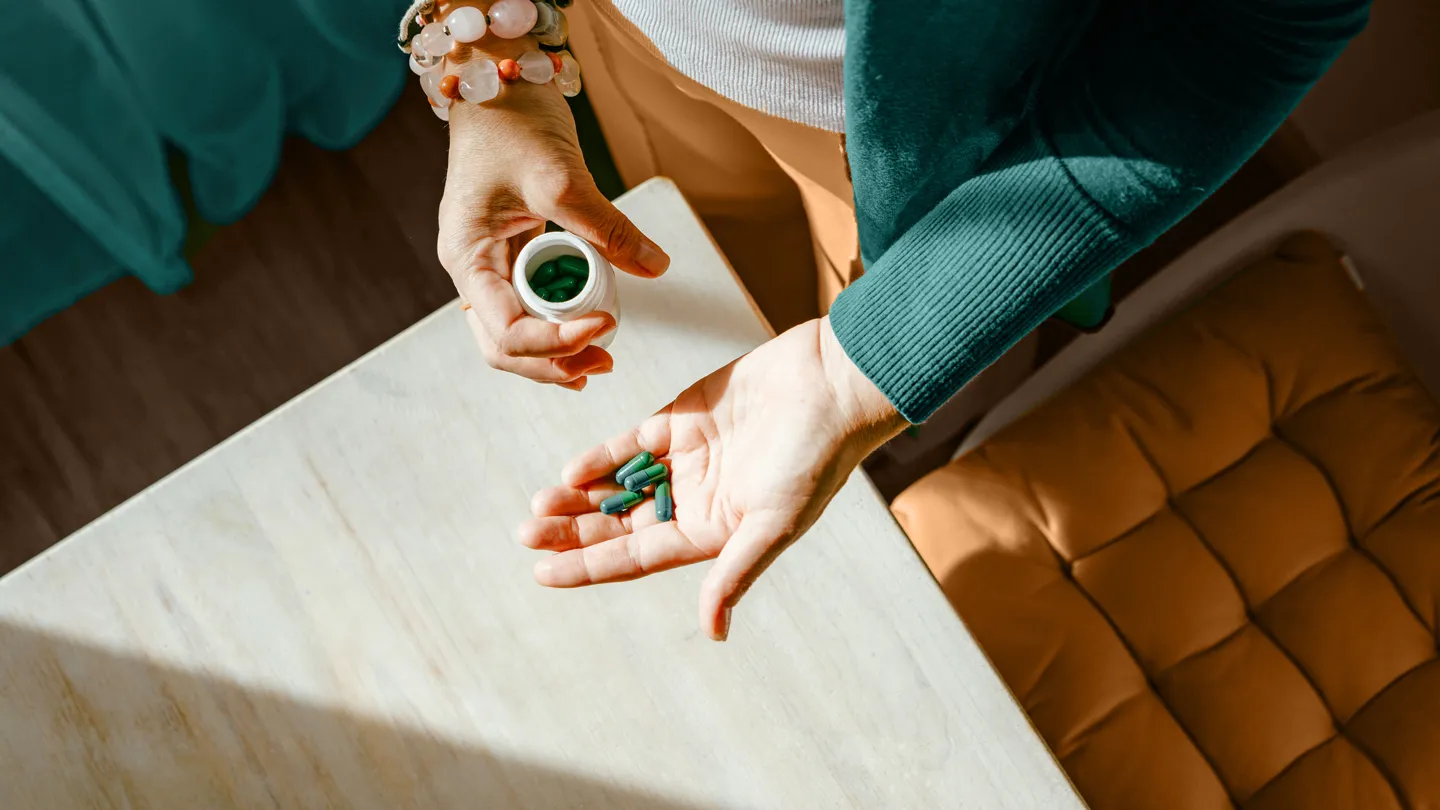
x=450, y=87
x=555, y=60
x=509, y=70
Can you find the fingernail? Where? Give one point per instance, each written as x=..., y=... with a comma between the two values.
x=724, y=624
x=652, y=258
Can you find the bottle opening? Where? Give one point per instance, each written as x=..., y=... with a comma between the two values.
x=559, y=274
x=559, y=279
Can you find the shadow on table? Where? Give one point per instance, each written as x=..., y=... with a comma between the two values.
x=84, y=727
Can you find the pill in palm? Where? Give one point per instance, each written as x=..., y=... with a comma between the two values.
x=619, y=503
x=664, y=504
x=650, y=475
x=637, y=463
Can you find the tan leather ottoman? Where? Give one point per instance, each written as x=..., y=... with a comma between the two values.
x=1210, y=569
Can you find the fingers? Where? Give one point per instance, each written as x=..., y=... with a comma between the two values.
x=562, y=370
x=512, y=333
x=512, y=341
x=585, y=212
x=746, y=555
x=554, y=501
x=659, y=547
x=602, y=460
x=566, y=532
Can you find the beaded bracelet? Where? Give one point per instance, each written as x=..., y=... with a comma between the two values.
x=428, y=40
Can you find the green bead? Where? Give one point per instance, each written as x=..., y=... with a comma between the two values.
x=639, y=462
x=574, y=267
x=664, y=504
x=619, y=503
x=545, y=275
x=650, y=475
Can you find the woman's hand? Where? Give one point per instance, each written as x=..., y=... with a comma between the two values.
x=756, y=451
x=515, y=162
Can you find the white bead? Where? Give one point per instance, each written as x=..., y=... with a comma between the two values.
x=536, y=67
x=479, y=81
x=424, y=60
x=568, y=80
x=418, y=67
x=466, y=24
x=434, y=40
x=430, y=83
x=443, y=113
x=512, y=18
x=569, y=68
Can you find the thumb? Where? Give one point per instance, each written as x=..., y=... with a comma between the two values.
x=744, y=558
x=596, y=220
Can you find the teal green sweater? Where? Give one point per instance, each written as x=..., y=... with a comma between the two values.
x=1007, y=154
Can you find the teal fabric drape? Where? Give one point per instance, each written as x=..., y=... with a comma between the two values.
x=94, y=92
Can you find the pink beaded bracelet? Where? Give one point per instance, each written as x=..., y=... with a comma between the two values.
x=429, y=40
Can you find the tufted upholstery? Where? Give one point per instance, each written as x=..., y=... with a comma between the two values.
x=1210, y=570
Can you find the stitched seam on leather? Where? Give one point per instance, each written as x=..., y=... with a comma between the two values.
x=1371, y=383
x=1210, y=479
x=1421, y=495
x=1150, y=683
x=1339, y=727
x=1294, y=763
x=1149, y=519
x=1264, y=631
x=1206, y=649
x=1341, y=730
x=1113, y=710
x=1234, y=583
x=1350, y=532
x=1402, y=676
x=1129, y=648
x=1380, y=768
x=1153, y=515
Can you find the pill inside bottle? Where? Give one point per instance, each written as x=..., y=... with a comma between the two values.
x=560, y=277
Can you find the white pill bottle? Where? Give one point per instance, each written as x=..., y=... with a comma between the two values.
x=599, y=292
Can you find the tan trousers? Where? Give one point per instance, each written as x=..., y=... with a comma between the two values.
x=775, y=194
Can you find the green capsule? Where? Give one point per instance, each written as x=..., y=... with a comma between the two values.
x=640, y=461
x=574, y=267
x=619, y=503
x=664, y=504
x=563, y=290
x=650, y=475
x=545, y=275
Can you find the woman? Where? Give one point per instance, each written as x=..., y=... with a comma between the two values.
x=1004, y=156
x=1004, y=159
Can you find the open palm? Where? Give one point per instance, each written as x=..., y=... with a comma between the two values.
x=756, y=451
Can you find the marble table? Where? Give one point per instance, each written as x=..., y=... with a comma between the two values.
x=329, y=610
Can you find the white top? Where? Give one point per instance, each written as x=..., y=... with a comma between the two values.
x=330, y=610
x=783, y=57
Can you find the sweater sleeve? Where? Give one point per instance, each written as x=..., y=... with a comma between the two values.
x=1153, y=108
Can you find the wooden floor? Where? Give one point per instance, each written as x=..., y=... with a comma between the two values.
x=109, y=396
x=121, y=389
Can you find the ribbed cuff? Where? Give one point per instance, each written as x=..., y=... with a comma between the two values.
x=996, y=257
